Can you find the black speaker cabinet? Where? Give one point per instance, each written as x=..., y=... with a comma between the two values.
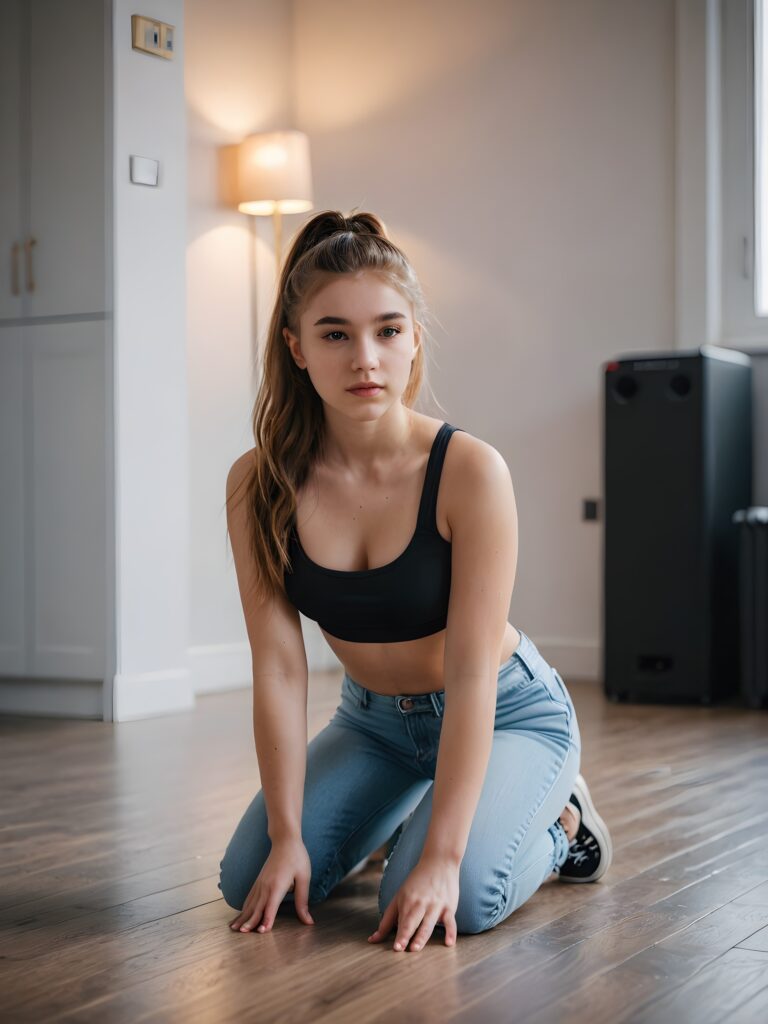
x=677, y=465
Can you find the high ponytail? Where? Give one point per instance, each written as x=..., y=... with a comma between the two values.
x=288, y=420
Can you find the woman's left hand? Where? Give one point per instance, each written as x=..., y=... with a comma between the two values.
x=429, y=894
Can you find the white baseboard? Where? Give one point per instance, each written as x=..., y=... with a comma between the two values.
x=218, y=667
x=573, y=659
x=152, y=694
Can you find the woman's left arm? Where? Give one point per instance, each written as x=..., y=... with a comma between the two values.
x=483, y=520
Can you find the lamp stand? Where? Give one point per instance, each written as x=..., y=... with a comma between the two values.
x=278, y=226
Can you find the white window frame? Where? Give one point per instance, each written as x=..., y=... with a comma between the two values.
x=741, y=327
x=760, y=163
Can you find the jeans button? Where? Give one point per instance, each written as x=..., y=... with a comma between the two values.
x=405, y=703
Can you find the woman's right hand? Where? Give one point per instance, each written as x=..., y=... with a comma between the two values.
x=286, y=869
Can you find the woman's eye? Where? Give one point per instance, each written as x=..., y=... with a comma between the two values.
x=395, y=329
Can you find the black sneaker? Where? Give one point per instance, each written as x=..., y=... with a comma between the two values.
x=590, y=851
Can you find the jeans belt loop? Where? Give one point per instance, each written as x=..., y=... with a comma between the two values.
x=523, y=657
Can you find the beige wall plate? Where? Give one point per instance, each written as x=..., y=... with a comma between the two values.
x=154, y=37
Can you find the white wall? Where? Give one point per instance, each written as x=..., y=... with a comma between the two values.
x=150, y=366
x=237, y=80
x=523, y=154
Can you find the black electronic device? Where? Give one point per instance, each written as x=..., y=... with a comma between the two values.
x=752, y=524
x=677, y=465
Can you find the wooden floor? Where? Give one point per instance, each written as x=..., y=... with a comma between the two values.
x=111, y=837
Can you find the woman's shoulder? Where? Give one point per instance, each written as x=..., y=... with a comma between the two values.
x=466, y=452
x=461, y=438
x=240, y=471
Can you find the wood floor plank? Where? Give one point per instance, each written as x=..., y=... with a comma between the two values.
x=758, y=941
x=109, y=910
x=720, y=991
x=755, y=1011
x=632, y=990
x=548, y=970
x=617, y=906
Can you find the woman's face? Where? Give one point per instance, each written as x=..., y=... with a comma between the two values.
x=357, y=328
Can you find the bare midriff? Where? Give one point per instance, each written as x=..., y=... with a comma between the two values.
x=399, y=668
x=411, y=667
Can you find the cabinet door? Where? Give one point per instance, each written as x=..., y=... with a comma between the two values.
x=11, y=221
x=66, y=156
x=65, y=424
x=13, y=658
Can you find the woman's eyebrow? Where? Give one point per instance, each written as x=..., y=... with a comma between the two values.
x=341, y=320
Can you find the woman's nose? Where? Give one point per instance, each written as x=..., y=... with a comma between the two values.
x=365, y=354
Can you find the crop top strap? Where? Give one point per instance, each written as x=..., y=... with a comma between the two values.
x=428, y=506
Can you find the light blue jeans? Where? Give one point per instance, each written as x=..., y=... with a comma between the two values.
x=373, y=766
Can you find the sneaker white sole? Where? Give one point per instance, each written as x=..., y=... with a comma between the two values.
x=597, y=827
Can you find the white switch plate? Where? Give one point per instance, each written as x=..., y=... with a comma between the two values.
x=144, y=171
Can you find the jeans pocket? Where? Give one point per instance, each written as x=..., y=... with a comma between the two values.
x=561, y=689
x=559, y=693
x=513, y=677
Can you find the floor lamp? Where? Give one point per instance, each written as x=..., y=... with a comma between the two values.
x=274, y=177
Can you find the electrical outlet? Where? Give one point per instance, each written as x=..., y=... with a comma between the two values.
x=166, y=39
x=590, y=509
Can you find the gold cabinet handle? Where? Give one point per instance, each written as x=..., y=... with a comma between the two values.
x=15, y=290
x=30, y=278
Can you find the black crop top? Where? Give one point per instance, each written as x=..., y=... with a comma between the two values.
x=402, y=600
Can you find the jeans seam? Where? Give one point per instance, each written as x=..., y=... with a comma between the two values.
x=336, y=860
x=503, y=892
x=555, y=700
x=386, y=867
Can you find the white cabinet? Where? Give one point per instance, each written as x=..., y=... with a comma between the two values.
x=13, y=229
x=13, y=644
x=55, y=136
x=52, y=171
x=53, y=511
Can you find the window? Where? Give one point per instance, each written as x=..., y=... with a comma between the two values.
x=744, y=135
x=760, y=93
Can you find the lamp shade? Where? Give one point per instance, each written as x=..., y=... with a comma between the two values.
x=274, y=174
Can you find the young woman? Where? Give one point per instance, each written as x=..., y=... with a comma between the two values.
x=397, y=532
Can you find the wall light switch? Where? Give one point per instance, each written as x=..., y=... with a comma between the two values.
x=166, y=39
x=144, y=171
x=151, y=36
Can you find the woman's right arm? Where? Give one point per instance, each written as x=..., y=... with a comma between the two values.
x=280, y=683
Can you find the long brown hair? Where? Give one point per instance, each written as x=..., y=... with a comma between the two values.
x=288, y=420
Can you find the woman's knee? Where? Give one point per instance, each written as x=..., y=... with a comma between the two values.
x=471, y=921
x=478, y=910
x=231, y=887
x=236, y=881
x=481, y=909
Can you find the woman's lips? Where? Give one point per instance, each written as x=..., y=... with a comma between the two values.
x=365, y=392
